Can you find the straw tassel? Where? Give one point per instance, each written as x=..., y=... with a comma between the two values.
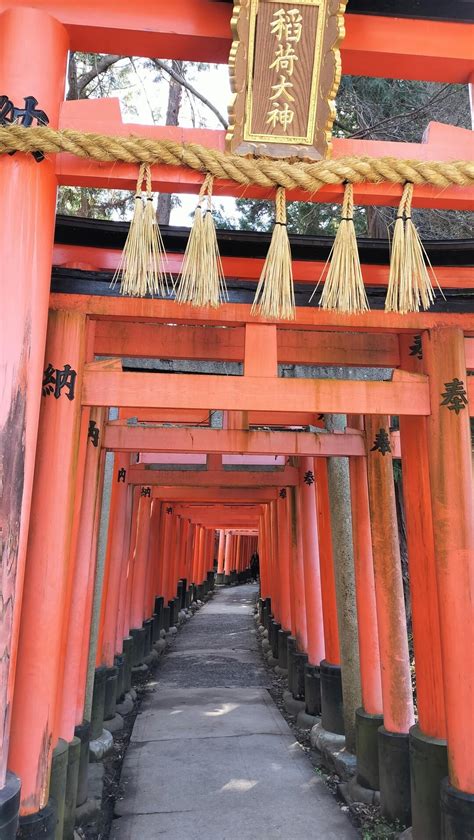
x=344, y=288
x=275, y=295
x=141, y=270
x=202, y=281
x=409, y=282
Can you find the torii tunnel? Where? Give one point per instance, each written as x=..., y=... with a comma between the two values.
x=149, y=449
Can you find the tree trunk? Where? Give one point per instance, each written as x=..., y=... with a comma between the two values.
x=175, y=96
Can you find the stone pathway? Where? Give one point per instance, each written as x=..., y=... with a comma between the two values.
x=211, y=757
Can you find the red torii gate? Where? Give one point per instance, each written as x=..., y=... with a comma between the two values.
x=435, y=442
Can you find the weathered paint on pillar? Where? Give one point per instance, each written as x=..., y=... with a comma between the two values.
x=393, y=641
x=312, y=579
x=343, y=557
x=326, y=563
x=41, y=644
x=422, y=564
x=369, y=654
x=284, y=561
x=298, y=608
x=140, y=562
x=449, y=452
x=27, y=215
x=78, y=625
x=116, y=539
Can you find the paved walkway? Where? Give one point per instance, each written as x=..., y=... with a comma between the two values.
x=211, y=757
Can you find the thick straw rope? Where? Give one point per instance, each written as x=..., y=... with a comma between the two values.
x=262, y=172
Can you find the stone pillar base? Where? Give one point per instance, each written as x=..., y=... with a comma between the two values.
x=394, y=774
x=9, y=807
x=138, y=651
x=283, y=648
x=57, y=782
x=312, y=690
x=83, y=732
x=148, y=628
x=74, y=758
x=220, y=578
x=332, y=712
x=457, y=813
x=275, y=629
x=127, y=648
x=428, y=767
x=300, y=660
x=110, y=693
x=367, y=749
x=166, y=619
x=38, y=826
x=290, y=652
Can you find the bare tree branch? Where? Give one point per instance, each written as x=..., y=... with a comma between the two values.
x=161, y=65
x=365, y=131
x=78, y=84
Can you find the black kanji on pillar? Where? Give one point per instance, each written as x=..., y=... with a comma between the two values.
x=282, y=493
x=382, y=442
x=93, y=433
x=309, y=477
x=455, y=396
x=57, y=379
x=121, y=474
x=416, y=348
x=146, y=491
x=10, y=113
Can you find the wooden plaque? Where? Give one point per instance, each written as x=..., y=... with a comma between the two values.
x=285, y=70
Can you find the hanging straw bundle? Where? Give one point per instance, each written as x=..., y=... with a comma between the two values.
x=202, y=281
x=141, y=270
x=344, y=288
x=275, y=295
x=409, y=282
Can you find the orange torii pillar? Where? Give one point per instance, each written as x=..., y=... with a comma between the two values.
x=27, y=216
x=228, y=557
x=123, y=641
x=140, y=560
x=428, y=752
x=45, y=608
x=328, y=586
x=284, y=562
x=394, y=768
x=369, y=717
x=297, y=644
x=343, y=558
x=220, y=557
x=106, y=647
x=274, y=620
x=153, y=604
x=312, y=582
x=173, y=600
x=450, y=465
x=71, y=714
x=165, y=536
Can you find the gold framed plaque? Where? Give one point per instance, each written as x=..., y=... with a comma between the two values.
x=285, y=70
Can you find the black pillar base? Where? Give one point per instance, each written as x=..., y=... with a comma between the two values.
x=180, y=594
x=9, y=807
x=332, y=717
x=367, y=749
x=119, y=662
x=276, y=627
x=226, y=580
x=233, y=577
x=300, y=660
x=290, y=653
x=158, y=618
x=127, y=652
x=173, y=613
x=312, y=690
x=166, y=618
x=110, y=700
x=98, y=702
x=457, y=813
x=283, y=648
x=83, y=732
x=38, y=826
x=138, y=650
x=428, y=767
x=394, y=774
x=177, y=607
x=57, y=783
x=220, y=578
x=260, y=610
x=267, y=612
x=73, y=762
x=148, y=628
x=211, y=580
